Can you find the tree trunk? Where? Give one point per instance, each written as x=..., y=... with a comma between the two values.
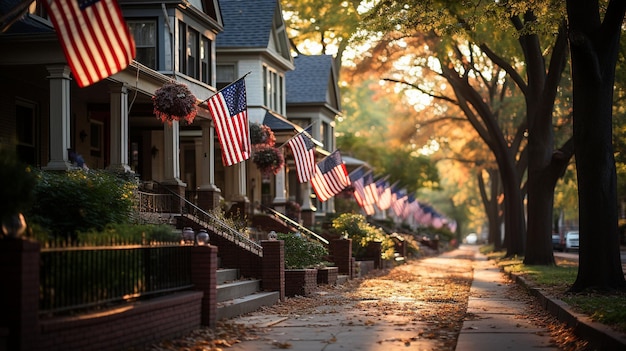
x=594, y=47
x=543, y=168
x=491, y=205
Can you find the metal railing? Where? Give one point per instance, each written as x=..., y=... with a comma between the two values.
x=215, y=225
x=153, y=208
x=219, y=227
x=298, y=226
x=78, y=278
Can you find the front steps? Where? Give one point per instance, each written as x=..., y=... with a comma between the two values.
x=237, y=296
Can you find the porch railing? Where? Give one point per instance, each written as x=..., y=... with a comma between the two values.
x=300, y=227
x=219, y=227
x=153, y=207
x=77, y=278
x=214, y=224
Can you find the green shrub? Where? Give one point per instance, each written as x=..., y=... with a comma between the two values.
x=69, y=202
x=302, y=253
x=355, y=227
x=18, y=181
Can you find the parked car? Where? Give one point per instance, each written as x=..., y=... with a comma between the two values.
x=557, y=243
x=471, y=238
x=571, y=241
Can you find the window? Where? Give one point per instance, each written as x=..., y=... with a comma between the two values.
x=225, y=75
x=273, y=92
x=26, y=129
x=144, y=32
x=205, y=60
x=194, y=54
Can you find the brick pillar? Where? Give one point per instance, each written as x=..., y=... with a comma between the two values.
x=373, y=250
x=341, y=252
x=204, y=278
x=19, y=295
x=308, y=218
x=273, y=266
x=208, y=199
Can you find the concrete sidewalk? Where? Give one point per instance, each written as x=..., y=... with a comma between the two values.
x=494, y=320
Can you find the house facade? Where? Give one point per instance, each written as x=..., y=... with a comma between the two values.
x=202, y=44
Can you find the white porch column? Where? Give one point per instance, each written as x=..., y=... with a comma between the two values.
x=239, y=183
x=280, y=192
x=205, y=158
x=119, y=128
x=306, y=204
x=59, y=77
x=171, y=153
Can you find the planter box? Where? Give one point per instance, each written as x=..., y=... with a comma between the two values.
x=300, y=281
x=327, y=275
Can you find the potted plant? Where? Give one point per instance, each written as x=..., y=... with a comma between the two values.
x=173, y=102
x=302, y=257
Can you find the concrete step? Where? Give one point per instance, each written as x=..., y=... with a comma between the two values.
x=227, y=275
x=246, y=304
x=237, y=289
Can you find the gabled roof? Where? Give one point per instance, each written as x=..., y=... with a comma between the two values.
x=247, y=23
x=312, y=81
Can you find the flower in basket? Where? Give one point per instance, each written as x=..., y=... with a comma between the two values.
x=268, y=158
x=261, y=134
x=174, y=101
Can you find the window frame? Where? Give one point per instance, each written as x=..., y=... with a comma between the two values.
x=139, y=46
x=200, y=67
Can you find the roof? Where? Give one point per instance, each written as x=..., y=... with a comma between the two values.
x=311, y=79
x=277, y=123
x=247, y=23
x=25, y=24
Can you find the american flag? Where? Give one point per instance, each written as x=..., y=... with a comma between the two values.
x=330, y=177
x=303, y=151
x=94, y=37
x=398, y=201
x=384, y=194
x=230, y=116
x=356, y=178
x=370, y=189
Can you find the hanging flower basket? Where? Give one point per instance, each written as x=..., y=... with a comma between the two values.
x=268, y=159
x=261, y=134
x=173, y=102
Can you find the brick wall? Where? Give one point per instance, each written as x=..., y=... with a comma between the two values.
x=300, y=281
x=122, y=328
x=204, y=279
x=273, y=276
x=340, y=251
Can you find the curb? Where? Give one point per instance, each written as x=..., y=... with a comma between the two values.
x=599, y=336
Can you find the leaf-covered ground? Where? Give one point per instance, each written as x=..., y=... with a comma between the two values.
x=427, y=297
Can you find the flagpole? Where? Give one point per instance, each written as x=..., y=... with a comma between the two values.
x=14, y=14
x=288, y=140
x=229, y=84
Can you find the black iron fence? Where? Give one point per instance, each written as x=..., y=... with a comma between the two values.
x=78, y=278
